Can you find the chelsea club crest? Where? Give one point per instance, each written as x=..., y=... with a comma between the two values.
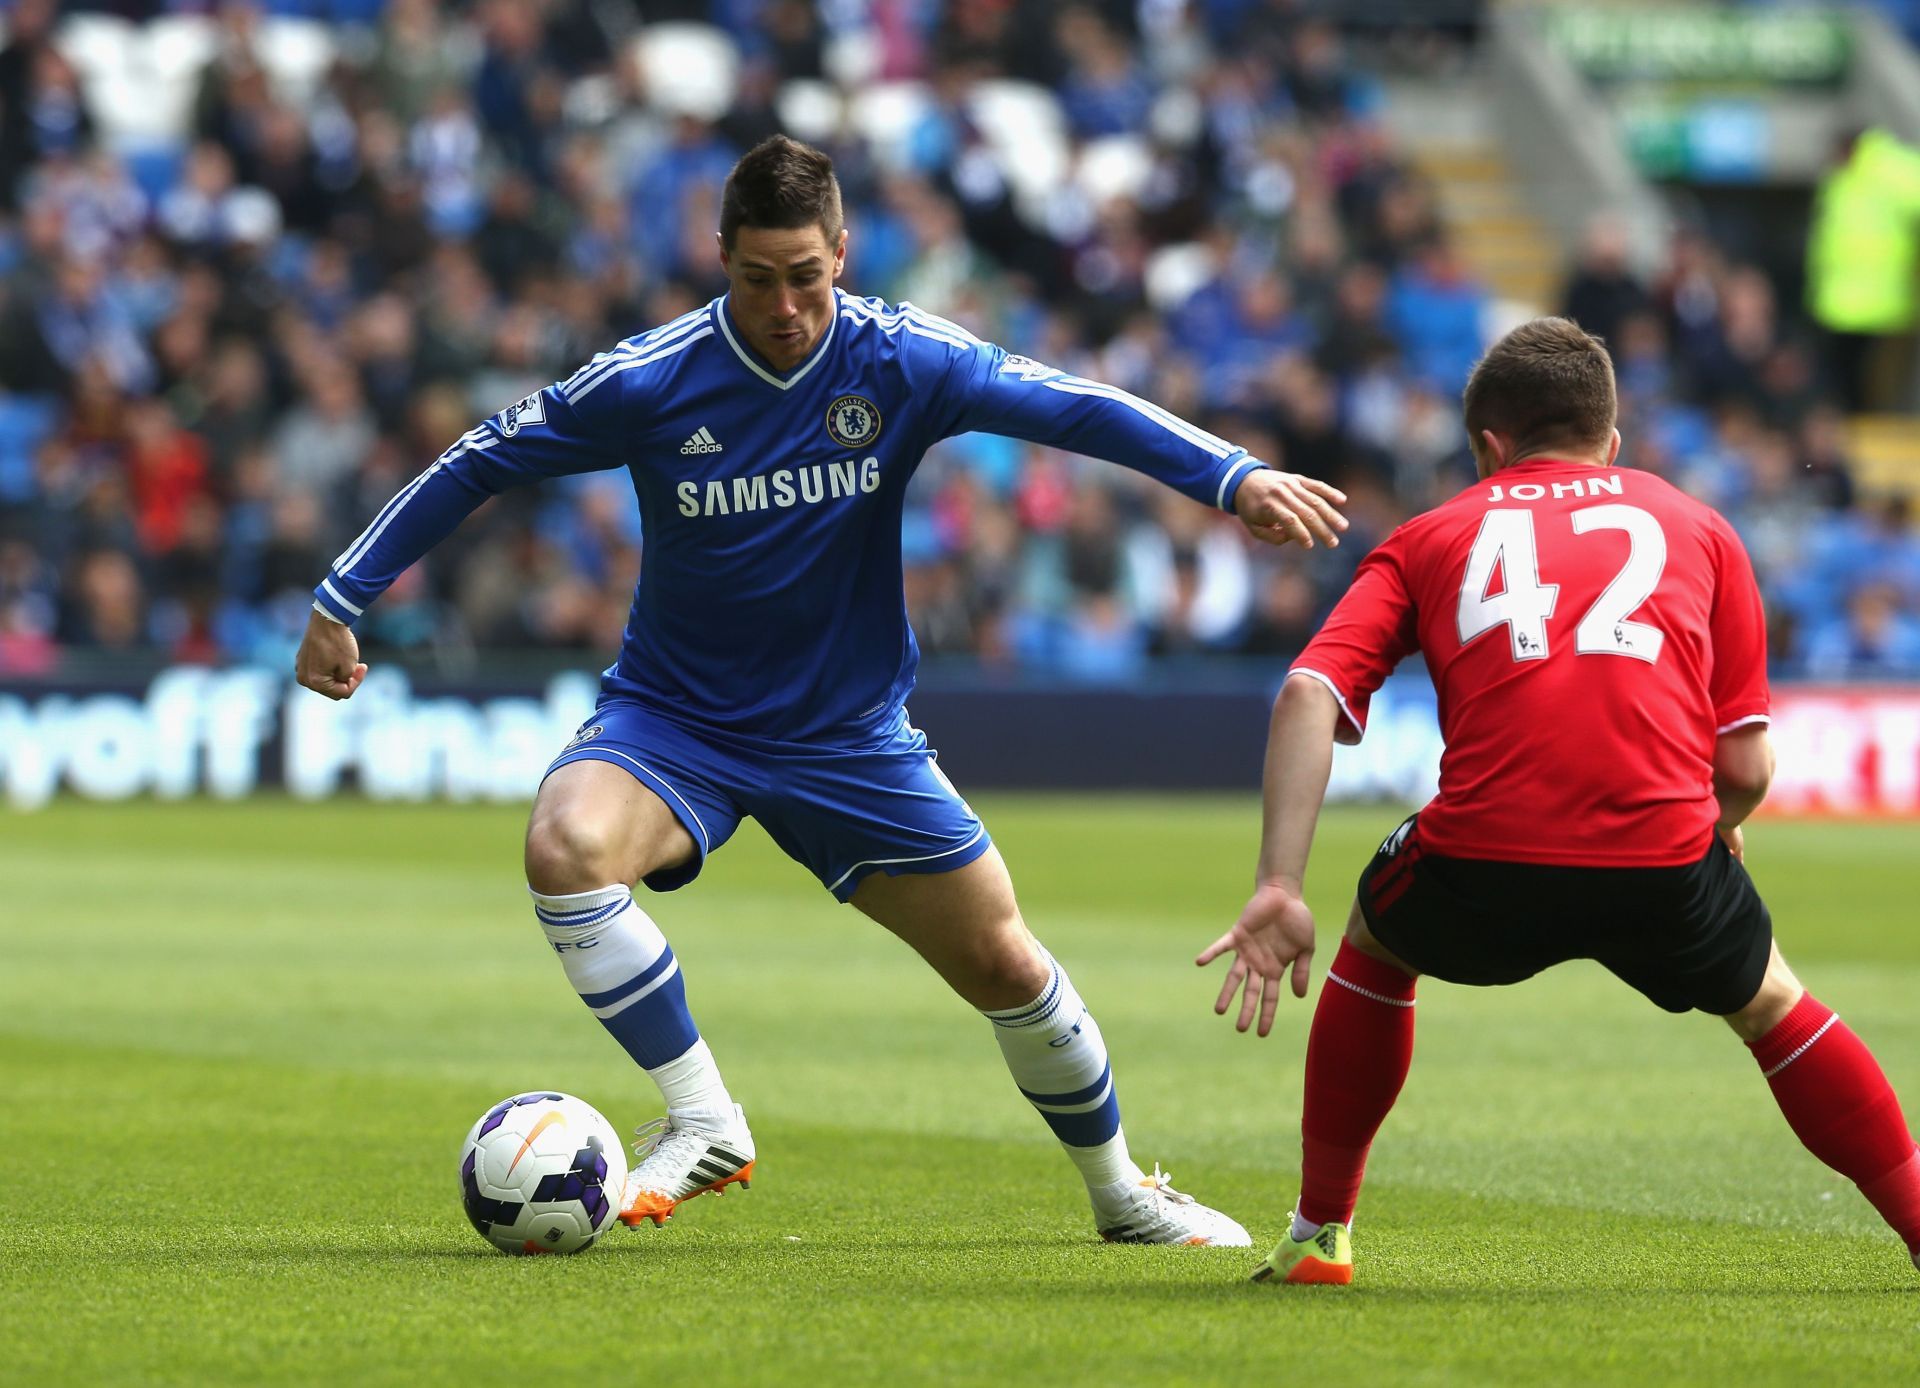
x=852, y=421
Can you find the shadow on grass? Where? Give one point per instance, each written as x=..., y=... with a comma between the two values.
x=1331, y=1300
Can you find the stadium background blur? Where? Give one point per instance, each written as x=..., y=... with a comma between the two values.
x=257, y=270
x=260, y=264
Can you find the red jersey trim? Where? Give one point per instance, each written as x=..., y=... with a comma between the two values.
x=1359, y=728
x=1726, y=728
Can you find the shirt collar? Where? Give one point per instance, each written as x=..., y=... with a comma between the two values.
x=723, y=317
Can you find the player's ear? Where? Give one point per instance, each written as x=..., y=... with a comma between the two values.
x=1496, y=450
x=1613, y=448
x=840, y=254
x=726, y=261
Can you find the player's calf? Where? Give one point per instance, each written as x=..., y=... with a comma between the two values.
x=1358, y=1054
x=625, y=972
x=1837, y=1101
x=1058, y=1058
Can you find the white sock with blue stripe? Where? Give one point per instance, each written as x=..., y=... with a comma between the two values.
x=1054, y=1049
x=623, y=969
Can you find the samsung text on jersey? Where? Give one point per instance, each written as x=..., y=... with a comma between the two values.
x=723, y=496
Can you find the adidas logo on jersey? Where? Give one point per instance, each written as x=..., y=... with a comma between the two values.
x=701, y=442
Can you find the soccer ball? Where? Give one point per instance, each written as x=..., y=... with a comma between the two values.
x=542, y=1173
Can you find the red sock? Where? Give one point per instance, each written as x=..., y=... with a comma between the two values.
x=1357, y=1058
x=1838, y=1102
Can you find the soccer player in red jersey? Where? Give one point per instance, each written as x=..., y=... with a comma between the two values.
x=1557, y=586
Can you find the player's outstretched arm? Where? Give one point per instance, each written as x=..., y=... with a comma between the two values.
x=548, y=434
x=329, y=661
x=1274, y=935
x=1280, y=506
x=985, y=389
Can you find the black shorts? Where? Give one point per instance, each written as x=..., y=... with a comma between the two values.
x=1695, y=936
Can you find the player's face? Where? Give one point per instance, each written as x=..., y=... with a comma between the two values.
x=783, y=288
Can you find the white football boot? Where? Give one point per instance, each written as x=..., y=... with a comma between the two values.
x=674, y=1162
x=1152, y=1211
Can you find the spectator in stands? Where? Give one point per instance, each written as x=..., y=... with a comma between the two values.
x=1863, y=251
x=1437, y=312
x=321, y=441
x=1604, y=292
x=105, y=604
x=227, y=354
x=29, y=23
x=418, y=57
x=1875, y=638
x=1286, y=613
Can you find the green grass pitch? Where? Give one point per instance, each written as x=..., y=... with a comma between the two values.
x=240, y=1045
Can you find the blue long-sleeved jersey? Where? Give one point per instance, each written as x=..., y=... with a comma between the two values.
x=770, y=601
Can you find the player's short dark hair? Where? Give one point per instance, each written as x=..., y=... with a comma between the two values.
x=1547, y=384
x=781, y=184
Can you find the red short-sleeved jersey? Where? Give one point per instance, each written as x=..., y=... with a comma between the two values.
x=1590, y=632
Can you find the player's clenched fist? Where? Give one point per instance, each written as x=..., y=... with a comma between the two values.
x=329, y=659
x=1274, y=933
x=1281, y=506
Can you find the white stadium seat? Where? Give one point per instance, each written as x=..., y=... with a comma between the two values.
x=179, y=45
x=107, y=53
x=689, y=69
x=1024, y=124
x=1114, y=166
x=1175, y=273
x=810, y=109
x=100, y=46
x=296, y=54
x=885, y=115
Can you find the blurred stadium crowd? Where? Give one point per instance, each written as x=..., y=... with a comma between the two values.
x=365, y=225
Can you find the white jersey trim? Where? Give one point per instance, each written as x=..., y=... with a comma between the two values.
x=746, y=358
x=925, y=858
x=890, y=319
x=620, y=364
x=1247, y=463
x=334, y=593
x=1213, y=443
x=1173, y=424
x=1334, y=689
x=853, y=317
x=357, y=551
x=591, y=752
x=1750, y=719
x=685, y=323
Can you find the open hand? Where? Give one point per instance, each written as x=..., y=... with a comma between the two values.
x=1281, y=506
x=1274, y=934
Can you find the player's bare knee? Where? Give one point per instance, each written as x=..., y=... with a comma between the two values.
x=1779, y=992
x=570, y=852
x=1008, y=968
x=1020, y=967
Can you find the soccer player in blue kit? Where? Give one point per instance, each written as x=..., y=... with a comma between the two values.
x=770, y=436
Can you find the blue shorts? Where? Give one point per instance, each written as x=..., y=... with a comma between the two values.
x=841, y=812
